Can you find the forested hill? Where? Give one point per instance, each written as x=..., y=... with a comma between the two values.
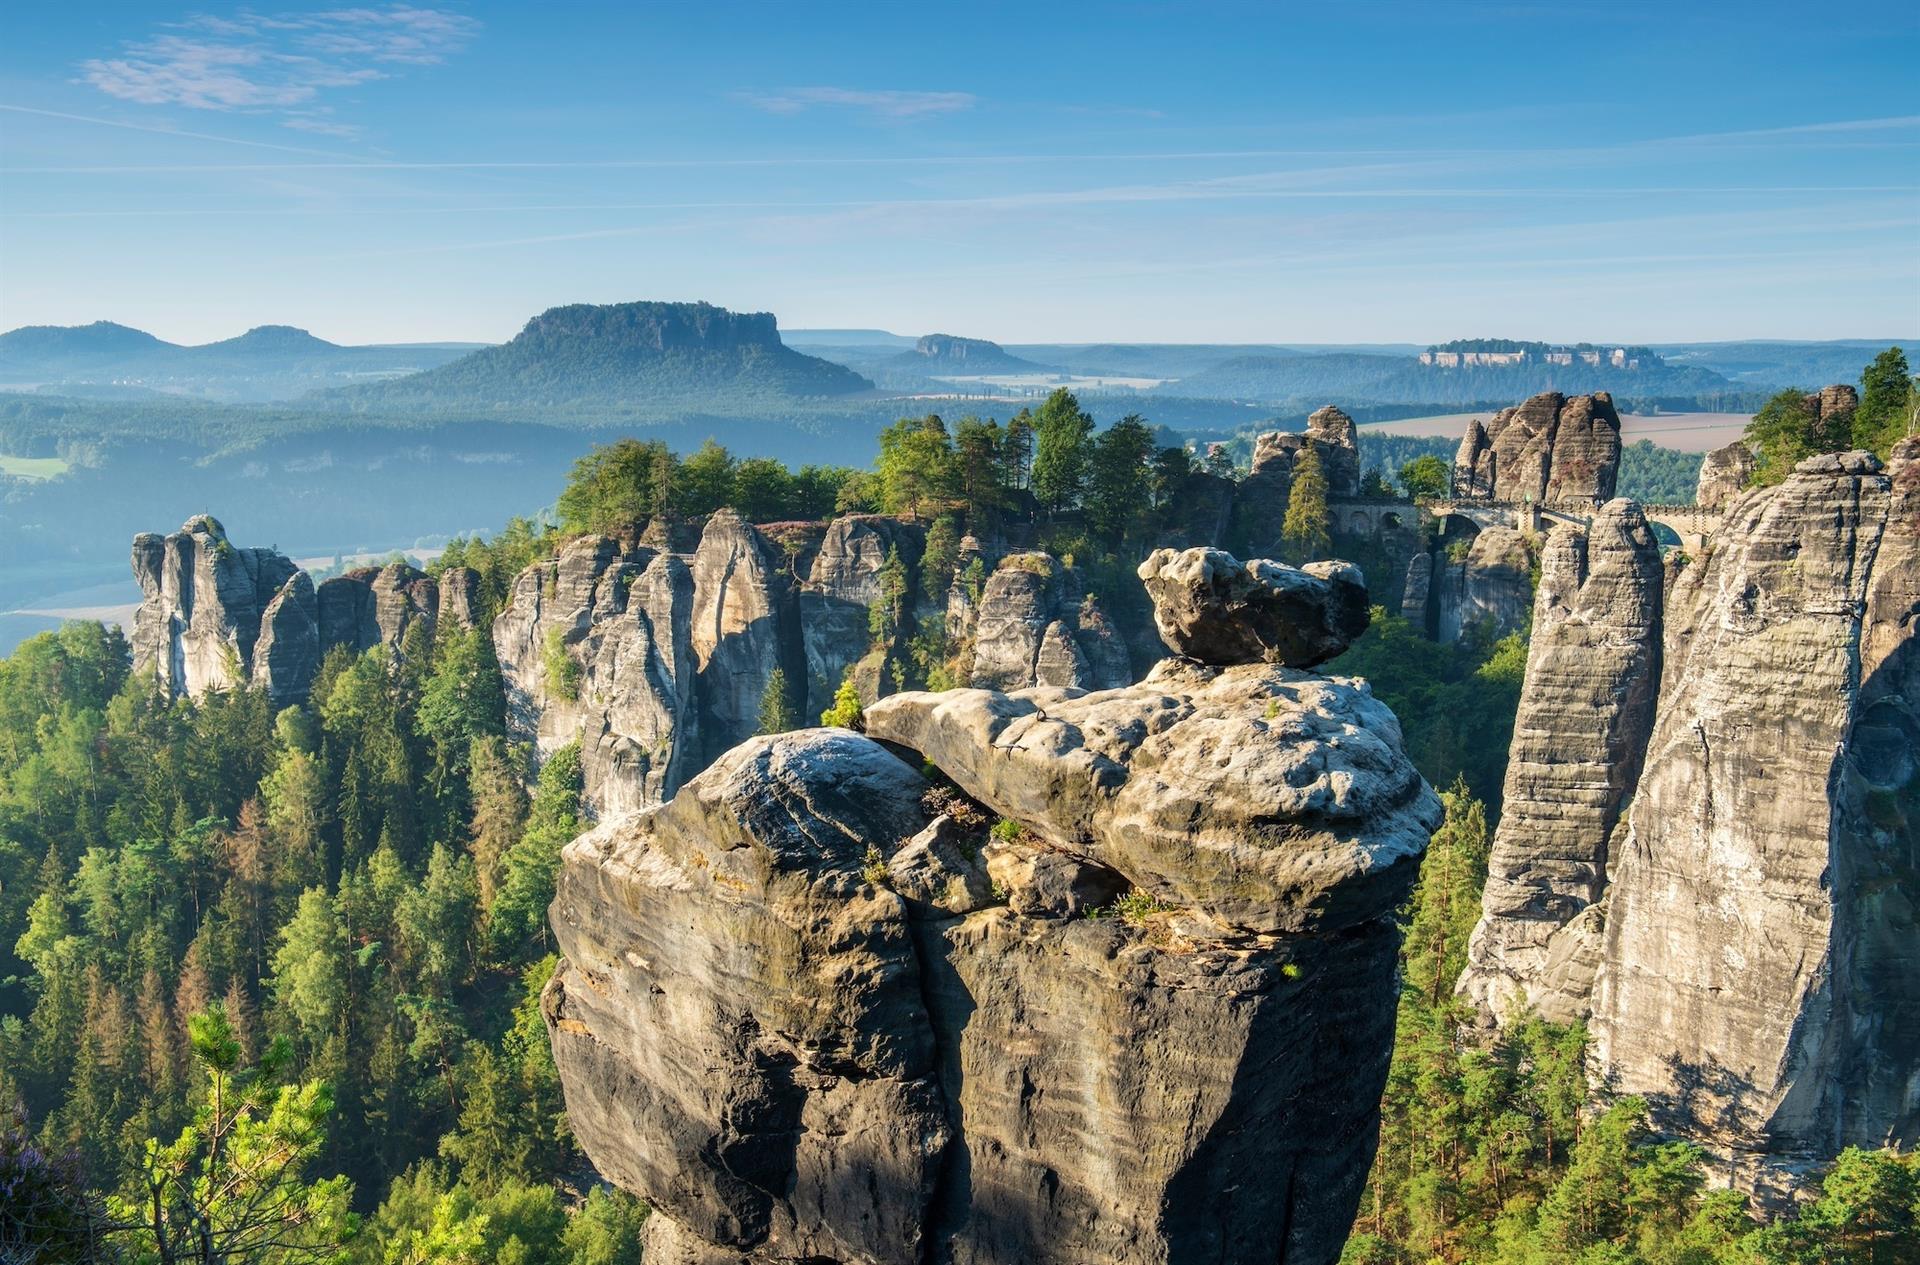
x=667, y=355
x=269, y=362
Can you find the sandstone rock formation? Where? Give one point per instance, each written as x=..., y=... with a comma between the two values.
x=1550, y=450
x=1723, y=475
x=1210, y=606
x=1491, y=585
x=843, y=584
x=375, y=606
x=1260, y=500
x=459, y=599
x=1037, y=626
x=288, y=650
x=201, y=604
x=1419, y=584
x=595, y=647
x=1332, y=432
x=1593, y=673
x=1759, y=981
x=213, y=616
x=745, y=628
x=1833, y=408
x=1474, y=464
x=797, y=1016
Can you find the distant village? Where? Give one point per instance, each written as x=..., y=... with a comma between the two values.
x=1506, y=353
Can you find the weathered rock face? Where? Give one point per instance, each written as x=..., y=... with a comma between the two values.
x=1136, y=780
x=595, y=647
x=1833, y=408
x=375, y=607
x=842, y=587
x=1723, y=475
x=1210, y=606
x=289, y=649
x=213, y=616
x=1549, y=450
x=1419, y=583
x=739, y=1022
x=1585, y=459
x=1036, y=626
x=1586, y=713
x=1760, y=981
x=745, y=628
x=459, y=599
x=797, y=1016
x=1260, y=500
x=202, y=603
x=1492, y=585
x=1473, y=464
x=1332, y=432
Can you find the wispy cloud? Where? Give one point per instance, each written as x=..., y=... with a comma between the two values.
x=885, y=103
x=123, y=125
x=280, y=64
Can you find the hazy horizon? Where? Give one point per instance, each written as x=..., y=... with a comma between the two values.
x=1392, y=173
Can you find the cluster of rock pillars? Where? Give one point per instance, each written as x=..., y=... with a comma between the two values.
x=1093, y=959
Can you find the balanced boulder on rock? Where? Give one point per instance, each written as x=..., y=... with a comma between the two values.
x=1210, y=606
x=814, y=1010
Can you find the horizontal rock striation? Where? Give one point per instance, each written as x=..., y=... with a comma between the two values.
x=1593, y=672
x=814, y=1011
x=1760, y=982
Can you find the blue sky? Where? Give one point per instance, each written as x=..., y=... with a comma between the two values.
x=1175, y=172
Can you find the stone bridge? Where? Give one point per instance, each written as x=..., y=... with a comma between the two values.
x=1370, y=515
x=1692, y=524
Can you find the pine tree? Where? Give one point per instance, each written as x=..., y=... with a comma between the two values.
x=1886, y=397
x=518, y=917
x=846, y=711
x=1305, y=527
x=499, y=812
x=777, y=715
x=1061, y=432
x=232, y=1186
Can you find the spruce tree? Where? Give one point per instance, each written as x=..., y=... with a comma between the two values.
x=1304, y=530
x=777, y=715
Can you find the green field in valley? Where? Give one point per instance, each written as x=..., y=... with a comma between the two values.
x=33, y=467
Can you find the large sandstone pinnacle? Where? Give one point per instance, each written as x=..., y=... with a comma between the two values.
x=1759, y=981
x=1551, y=449
x=813, y=1010
x=1586, y=712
